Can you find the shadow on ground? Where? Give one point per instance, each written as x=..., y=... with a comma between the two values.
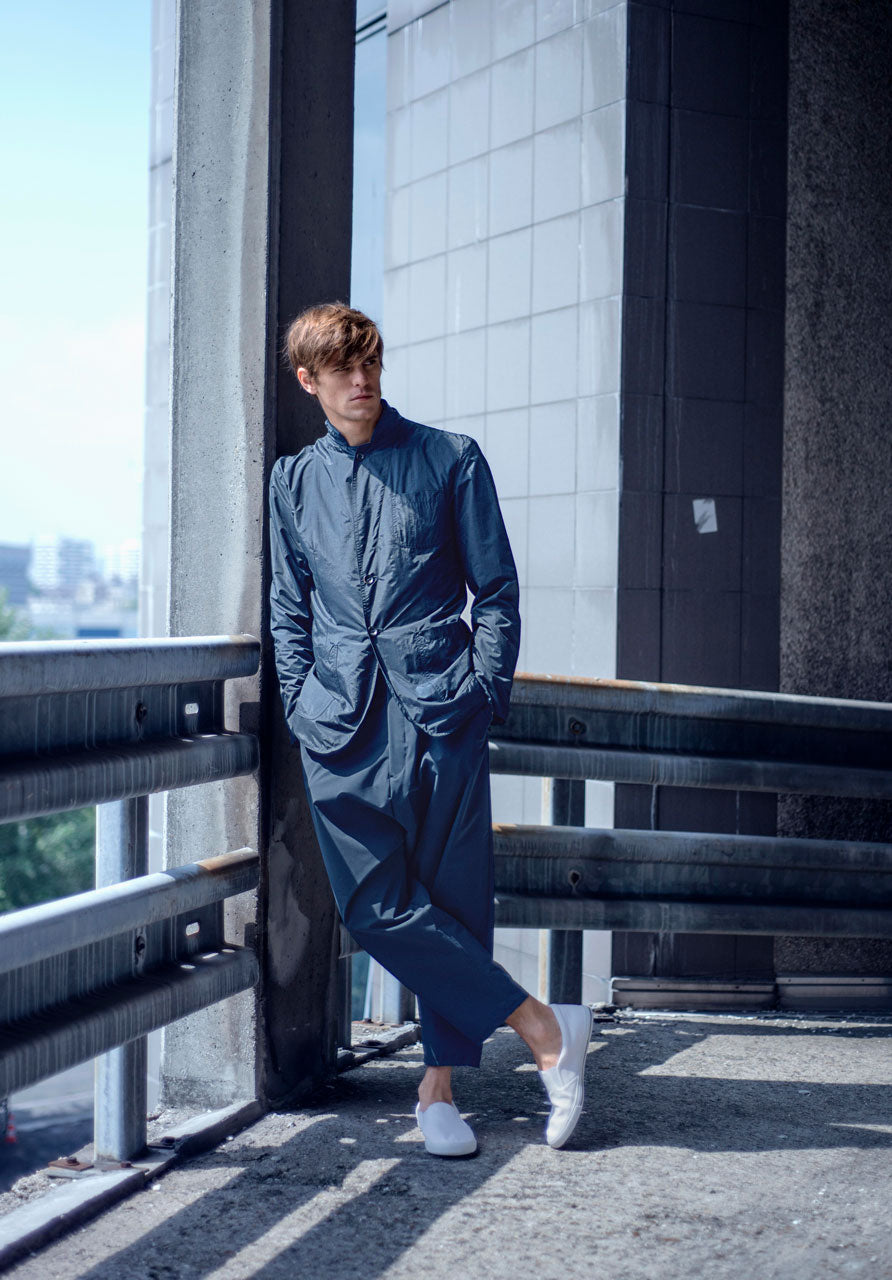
x=344, y=1187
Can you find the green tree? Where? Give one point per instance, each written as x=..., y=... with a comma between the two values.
x=46, y=858
x=43, y=858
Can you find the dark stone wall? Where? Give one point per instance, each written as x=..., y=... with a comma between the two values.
x=836, y=613
x=701, y=402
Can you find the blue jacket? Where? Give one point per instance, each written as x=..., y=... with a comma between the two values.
x=372, y=547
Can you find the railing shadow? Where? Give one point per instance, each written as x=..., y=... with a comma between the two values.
x=354, y=1189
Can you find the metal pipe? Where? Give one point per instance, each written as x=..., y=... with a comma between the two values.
x=53, y=928
x=35, y=668
x=523, y=911
x=654, y=769
x=35, y=1049
x=120, y=1089
x=345, y=1001
x=614, y=845
x=76, y=779
x=565, y=945
x=642, y=697
x=574, y=863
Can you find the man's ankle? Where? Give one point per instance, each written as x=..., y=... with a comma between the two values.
x=435, y=1086
x=425, y=1102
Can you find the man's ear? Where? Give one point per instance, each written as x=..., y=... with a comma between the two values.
x=306, y=380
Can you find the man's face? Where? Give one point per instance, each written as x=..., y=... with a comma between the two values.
x=350, y=395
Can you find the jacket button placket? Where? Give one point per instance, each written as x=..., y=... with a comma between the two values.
x=366, y=579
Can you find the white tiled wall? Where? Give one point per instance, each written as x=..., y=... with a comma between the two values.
x=506, y=126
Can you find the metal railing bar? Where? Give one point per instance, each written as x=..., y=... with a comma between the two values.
x=54, y=928
x=73, y=780
x=644, y=698
x=618, y=845
x=522, y=911
x=74, y=1032
x=663, y=769
x=36, y=667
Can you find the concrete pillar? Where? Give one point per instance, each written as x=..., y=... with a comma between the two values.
x=154, y=563
x=836, y=614
x=263, y=163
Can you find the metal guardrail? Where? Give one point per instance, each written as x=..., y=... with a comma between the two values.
x=87, y=973
x=107, y=723
x=567, y=878
x=691, y=883
x=684, y=736
x=85, y=722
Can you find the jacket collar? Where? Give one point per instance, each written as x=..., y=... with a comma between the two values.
x=386, y=432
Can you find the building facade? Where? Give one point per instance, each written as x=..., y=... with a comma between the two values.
x=601, y=239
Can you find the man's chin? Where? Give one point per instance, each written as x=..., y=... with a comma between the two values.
x=364, y=410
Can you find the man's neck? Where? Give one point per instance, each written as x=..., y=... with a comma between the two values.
x=356, y=433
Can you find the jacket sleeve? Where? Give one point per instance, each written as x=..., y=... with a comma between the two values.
x=491, y=575
x=291, y=619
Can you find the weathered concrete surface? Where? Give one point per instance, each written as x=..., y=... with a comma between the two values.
x=264, y=126
x=726, y=1146
x=836, y=617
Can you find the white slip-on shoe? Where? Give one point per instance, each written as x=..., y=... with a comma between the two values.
x=565, y=1083
x=444, y=1131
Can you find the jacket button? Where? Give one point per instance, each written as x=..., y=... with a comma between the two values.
x=373, y=631
x=359, y=457
x=369, y=578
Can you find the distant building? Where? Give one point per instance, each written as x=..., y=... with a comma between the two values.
x=14, y=561
x=121, y=560
x=66, y=618
x=62, y=563
x=77, y=594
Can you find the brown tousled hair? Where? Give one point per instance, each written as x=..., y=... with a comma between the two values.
x=331, y=334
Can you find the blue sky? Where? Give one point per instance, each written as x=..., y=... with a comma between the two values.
x=74, y=128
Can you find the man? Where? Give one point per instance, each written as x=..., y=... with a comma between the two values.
x=377, y=530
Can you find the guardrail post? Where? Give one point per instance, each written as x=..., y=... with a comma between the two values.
x=345, y=1002
x=119, y=1126
x=565, y=945
x=387, y=1000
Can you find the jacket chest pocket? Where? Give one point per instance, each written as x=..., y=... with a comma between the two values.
x=418, y=519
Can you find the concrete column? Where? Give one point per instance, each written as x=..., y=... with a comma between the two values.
x=155, y=550
x=836, y=611
x=262, y=177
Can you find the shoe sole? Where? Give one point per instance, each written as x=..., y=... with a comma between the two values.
x=569, y=1128
x=451, y=1155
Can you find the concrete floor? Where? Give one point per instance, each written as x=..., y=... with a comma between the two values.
x=745, y=1146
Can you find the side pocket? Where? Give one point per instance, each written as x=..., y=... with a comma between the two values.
x=336, y=680
x=483, y=689
x=314, y=699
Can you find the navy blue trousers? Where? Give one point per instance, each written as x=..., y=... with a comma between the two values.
x=404, y=824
